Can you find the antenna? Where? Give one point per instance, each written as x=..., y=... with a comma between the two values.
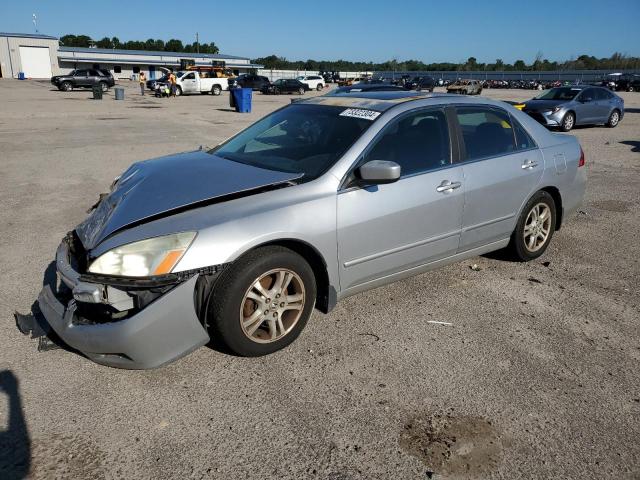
x=35, y=22
x=197, y=43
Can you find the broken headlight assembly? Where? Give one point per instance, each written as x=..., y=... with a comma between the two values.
x=150, y=257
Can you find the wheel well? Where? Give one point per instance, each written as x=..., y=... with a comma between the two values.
x=557, y=199
x=325, y=300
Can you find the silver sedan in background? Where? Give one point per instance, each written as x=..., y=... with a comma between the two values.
x=317, y=201
x=566, y=107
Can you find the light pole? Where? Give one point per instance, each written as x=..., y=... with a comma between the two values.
x=35, y=22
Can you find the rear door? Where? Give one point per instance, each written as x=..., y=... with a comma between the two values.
x=603, y=104
x=387, y=229
x=501, y=166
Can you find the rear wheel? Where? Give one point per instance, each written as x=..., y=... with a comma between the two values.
x=630, y=89
x=301, y=91
x=216, y=90
x=319, y=87
x=614, y=119
x=535, y=227
x=263, y=301
x=568, y=121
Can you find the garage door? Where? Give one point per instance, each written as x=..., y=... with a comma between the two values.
x=36, y=62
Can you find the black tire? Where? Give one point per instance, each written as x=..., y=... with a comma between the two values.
x=614, y=119
x=276, y=91
x=104, y=86
x=630, y=89
x=319, y=87
x=568, y=121
x=66, y=86
x=517, y=246
x=223, y=315
x=301, y=91
x=216, y=90
x=178, y=91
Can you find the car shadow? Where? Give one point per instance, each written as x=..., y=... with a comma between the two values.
x=15, y=443
x=632, y=110
x=634, y=144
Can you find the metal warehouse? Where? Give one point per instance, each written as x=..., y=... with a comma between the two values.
x=41, y=56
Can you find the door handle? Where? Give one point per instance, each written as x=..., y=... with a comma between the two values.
x=529, y=164
x=447, y=186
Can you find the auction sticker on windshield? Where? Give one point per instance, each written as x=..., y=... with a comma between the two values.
x=360, y=113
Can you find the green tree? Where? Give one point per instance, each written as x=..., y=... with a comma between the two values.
x=173, y=45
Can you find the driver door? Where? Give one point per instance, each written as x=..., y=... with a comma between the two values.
x=587, y=107
x=386, y=229
x=189, y=83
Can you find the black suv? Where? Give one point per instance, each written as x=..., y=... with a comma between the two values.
x=84, y=79
x=254, y=82
x=420, y=83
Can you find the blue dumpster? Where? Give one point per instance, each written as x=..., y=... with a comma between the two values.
x=21, y=76
x=242, y=97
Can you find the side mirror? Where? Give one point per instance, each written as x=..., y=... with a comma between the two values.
x=379, y=172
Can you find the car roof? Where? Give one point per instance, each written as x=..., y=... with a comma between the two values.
x=380, y=101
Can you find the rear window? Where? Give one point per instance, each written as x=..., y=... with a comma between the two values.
x=486, y=132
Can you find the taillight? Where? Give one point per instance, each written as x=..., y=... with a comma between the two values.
x=581, y=162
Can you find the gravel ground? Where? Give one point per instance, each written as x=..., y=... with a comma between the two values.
x=537, y=377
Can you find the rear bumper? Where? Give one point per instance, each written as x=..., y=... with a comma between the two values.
x=166, y=329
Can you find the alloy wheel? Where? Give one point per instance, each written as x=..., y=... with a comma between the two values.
x=615, y=118
x=272, y=305
x=537, y=227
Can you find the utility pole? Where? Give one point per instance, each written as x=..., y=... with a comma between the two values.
x=197, y=43
x=35, y=22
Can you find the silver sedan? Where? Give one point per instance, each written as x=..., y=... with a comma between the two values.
x=566, y=107
x=317, y=201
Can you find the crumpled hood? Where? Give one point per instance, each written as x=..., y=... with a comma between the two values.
x=153, y=188
x=542, y=105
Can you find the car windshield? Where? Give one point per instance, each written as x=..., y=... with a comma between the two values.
x=305, y=139
x=561, y=93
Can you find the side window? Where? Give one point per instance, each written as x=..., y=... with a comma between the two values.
x=136, y=69
x=588, y=95
x=190, y=76
x=80, y=73
x=602, y=94
x=418, y=142
x=523, y=139
x=117, y=69
x=486, y=132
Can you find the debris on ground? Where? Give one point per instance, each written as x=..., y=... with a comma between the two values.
x=439, y=323
x=534, y=280
x=475, y=267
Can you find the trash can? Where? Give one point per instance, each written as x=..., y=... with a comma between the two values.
x=97, y=91
x=119, y=93
x=242, y=97
x=232, y=100
x=21, y=76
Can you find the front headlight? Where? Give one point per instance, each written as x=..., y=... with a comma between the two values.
x=555, y=110
x=154, y=256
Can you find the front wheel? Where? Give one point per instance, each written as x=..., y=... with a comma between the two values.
x=319, y=87
x=614, y=119
x=216, y=90
x=104, y=86
x=535, y=227
x=568, y=122
x=66, y=86
x=178, y=91
x=630, y=89
x=301, y=91
x=263, y=301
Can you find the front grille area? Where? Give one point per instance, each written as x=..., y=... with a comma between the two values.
x=537, y=116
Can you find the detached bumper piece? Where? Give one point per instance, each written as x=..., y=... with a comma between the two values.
x=121, y=322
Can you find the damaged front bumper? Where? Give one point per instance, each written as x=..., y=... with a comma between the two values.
x=125, y=323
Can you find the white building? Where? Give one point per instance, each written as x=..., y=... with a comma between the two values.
x=35, y=55
x=41, y=56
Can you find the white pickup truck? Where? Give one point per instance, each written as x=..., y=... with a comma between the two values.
x=196, y=82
